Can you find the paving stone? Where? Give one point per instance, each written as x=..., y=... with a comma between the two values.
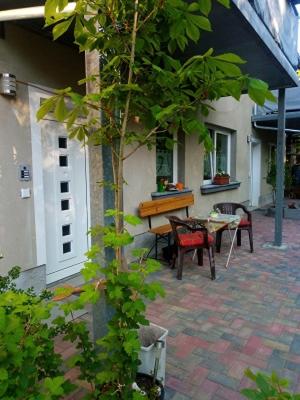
x=248, y=317
x=224, y=380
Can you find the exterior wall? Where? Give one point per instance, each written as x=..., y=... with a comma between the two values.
x=267, y=138
x=235, y=116
x=23, y=54
x=140, y=169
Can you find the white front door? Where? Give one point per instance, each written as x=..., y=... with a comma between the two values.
x=255, y=172
x=65, y=194
x=61, y=197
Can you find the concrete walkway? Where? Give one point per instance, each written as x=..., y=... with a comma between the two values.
x=248, y=317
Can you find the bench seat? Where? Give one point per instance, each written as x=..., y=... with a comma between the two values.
x=153, y=208
x=161, y=230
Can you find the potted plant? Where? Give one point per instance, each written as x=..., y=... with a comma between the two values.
x=221, y=178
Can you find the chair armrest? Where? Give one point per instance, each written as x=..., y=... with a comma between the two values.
x=249, y=215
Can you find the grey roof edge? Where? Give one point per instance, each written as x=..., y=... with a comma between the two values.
x=255, y=22
x=274, y=117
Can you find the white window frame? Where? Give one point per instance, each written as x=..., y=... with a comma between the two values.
x=175, y=159
x=212, y=154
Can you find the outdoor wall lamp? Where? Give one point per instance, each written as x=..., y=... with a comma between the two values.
x=8, y=84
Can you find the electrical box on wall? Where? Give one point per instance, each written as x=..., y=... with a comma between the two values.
x=24, y=173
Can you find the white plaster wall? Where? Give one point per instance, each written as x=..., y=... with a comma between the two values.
x=40, y=61
x=140, y=169
x=235, y=116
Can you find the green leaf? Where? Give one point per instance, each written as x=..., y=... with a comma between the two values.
x=54, y=385
x=228, y=68
x=62, y=4
x=193, y=7
x=205, y=6
x=252, y=394
x=60, y=28
x=249, y=374
x=193, y=32
x=225, y=3
x=61, y=110
x=230, y=57
x=263, y=384
x=50, y=8
x=45, y=108
x=132, y=220
x=200, y=21
x=3, y=374
x=90, y=271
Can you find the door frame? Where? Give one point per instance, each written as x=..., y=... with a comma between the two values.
x=35, y=96
x=255, y=149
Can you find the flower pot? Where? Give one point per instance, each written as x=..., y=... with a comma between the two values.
x=145, y=383
x=221, y=180
x=148, y=336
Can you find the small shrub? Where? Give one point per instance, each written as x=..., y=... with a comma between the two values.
x=268, y=387
x=30, y=369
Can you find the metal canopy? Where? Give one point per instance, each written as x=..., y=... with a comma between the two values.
x=267, y=116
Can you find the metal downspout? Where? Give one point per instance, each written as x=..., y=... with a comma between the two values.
x=280, y=154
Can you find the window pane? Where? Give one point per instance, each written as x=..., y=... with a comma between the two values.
x=164, y=158
x=66, y=230
x=64, y=187
x=65, y=205
x=67, y=247
x=63, y=161
x=207, y=167
x=222, y=153
x=62, y=142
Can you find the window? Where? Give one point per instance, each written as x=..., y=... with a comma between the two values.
x=66, y=230
x=64, y=187
x=65, y=205
x=220, y=158
x=66, y=247
x=62, y=142
x=63, y=161
x=166, y=158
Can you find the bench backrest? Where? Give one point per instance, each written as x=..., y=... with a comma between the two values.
x=156, y=207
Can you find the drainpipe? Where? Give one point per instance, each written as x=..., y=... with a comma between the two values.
x=280, y=154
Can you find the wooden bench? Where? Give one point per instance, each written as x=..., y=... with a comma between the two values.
x=156, y=207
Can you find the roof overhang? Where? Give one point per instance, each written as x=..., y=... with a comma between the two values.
x=239, y=30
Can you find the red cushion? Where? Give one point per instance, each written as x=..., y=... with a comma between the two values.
x=193, y=239
x=244, y=223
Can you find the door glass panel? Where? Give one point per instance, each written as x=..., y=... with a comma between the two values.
x=66, y=230
x=64, y=187
x=63, y=161
x=65, y=205
x=67, y=247
x=62, y=142
x=221, y=153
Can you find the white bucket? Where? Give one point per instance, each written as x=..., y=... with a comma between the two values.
x=147, y=356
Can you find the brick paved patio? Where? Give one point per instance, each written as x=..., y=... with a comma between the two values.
x=248, y=317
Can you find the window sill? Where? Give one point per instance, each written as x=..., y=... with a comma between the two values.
x=208, y=189
x=161, y=195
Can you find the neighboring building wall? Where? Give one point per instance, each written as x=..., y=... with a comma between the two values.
x=41, y=62
x=267, y=138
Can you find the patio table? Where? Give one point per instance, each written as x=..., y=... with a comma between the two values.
x=220, y=221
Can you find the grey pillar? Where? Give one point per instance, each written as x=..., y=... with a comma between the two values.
x=280, y=155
